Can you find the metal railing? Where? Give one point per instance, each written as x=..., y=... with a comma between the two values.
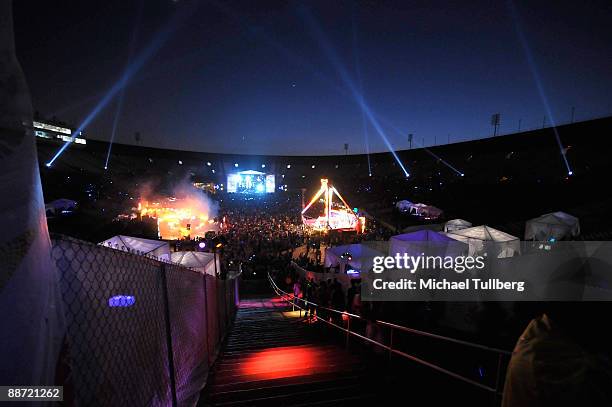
x=309, y=307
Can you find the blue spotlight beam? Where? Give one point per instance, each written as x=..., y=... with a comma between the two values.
x=346, y=79
x=114, y=130
x=131, y=47
x=291, y=56
x=156, y=42
x=364, y=125
x=443, y=161
x=537, y=79
x=298, y=61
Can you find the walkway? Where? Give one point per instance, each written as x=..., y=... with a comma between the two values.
x=274, y=357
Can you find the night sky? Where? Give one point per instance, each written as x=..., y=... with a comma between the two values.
x=283, y=77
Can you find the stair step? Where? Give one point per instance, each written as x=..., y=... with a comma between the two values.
x=297, y=397
x=273, y=359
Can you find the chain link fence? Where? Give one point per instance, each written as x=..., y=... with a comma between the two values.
x=139, y=332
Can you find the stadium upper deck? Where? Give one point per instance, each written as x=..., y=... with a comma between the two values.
x=507, y=178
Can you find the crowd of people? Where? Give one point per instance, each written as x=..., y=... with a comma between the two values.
x=328, y=293
x=260, y=233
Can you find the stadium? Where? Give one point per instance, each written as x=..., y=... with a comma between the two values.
x=507, y=179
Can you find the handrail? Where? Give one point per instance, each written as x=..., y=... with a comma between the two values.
x=406, y=329
x=444, y=338
x=500, y=352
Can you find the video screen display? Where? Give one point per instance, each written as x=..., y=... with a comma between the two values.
x=250, y=182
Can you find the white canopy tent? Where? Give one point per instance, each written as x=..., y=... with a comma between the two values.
x=359, y=253
x=486, y=241
x=60, y=205
x=403, y=206
x=148, y=247
x=426, y=242
x=555, y=225
x=456, y=224
x=199, y=261
x=425, y=211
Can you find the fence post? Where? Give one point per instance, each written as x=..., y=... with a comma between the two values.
x=348, y=331
x=226, y=290
x=168, y=334
x=206, y=326
x=218, y=311
x=498, y=378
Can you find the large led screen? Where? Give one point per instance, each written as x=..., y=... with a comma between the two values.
x=250, y=182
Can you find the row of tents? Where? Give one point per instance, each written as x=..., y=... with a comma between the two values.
x=199, y=261
x=551, y=227
x=458, y=238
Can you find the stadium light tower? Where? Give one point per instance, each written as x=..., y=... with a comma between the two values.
x=495, y=122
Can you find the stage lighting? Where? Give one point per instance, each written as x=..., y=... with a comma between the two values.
x=313, y=166
x=263, y=165
x=325, y=44
x=288, y=165
x=236, y=165
x=48, y=165
x=570, y=173
x=538, y=81
x=157, y=41
x=208, y=163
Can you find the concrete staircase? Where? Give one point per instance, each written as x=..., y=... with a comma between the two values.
x=274, y=357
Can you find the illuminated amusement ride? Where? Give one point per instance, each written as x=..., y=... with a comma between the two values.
x=336, y=214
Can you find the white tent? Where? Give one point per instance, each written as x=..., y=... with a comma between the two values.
x=486, y=241
x=555, y=225
x=426, y=242
x=456, y=224
x=403, y=206
x=63, y=203
x=137, y=245
x=359, y=253
x=198, y=261
x=419, y=209
x=425, y=211
x=60, y=205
